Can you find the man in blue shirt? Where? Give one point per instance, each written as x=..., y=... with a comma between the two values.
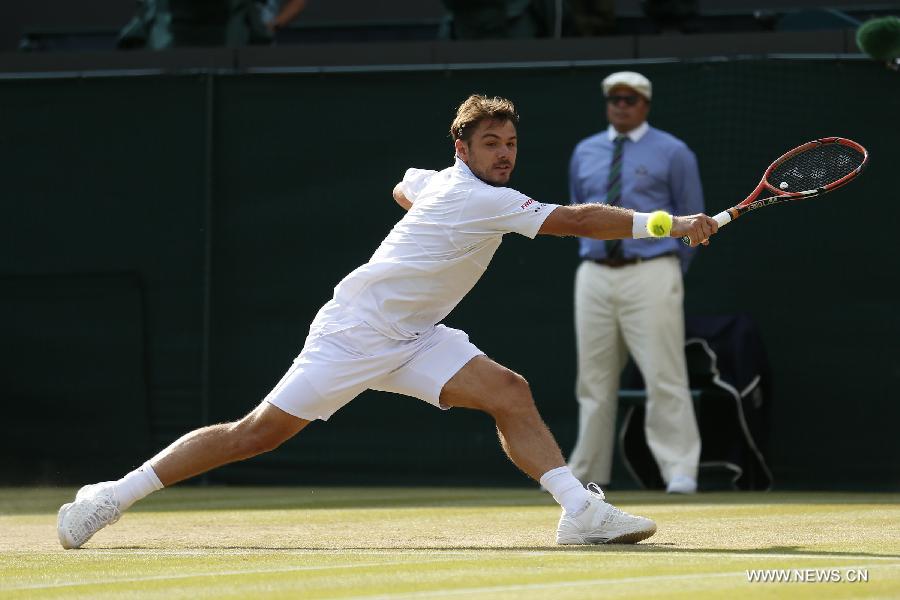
x=629, y=293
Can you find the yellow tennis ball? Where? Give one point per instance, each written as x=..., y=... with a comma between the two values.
x=659, y=224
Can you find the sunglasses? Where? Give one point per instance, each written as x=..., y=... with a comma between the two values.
x=629, y=99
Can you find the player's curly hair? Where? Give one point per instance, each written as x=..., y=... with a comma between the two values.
x=477, y=108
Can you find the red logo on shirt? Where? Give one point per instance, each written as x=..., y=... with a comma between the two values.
x=530, y=201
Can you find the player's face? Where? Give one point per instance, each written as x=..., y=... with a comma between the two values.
x=625, y=108
x=491, y=151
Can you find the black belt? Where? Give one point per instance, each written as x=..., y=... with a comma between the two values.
x=615, y=263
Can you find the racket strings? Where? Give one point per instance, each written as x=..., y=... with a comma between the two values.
x=815, y=167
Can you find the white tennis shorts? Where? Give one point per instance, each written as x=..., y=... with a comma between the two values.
x=334, y=368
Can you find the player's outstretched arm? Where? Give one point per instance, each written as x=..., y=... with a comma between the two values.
x=400, y=198
x=604, y=222
x=598, y=221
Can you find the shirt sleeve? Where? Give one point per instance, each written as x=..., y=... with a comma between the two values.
x=505, y=210
x=687, y=194
x=576, y=196
x=414, y=181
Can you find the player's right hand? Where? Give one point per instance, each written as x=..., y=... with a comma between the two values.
x=698, y=228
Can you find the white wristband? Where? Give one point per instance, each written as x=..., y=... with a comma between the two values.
x=639, y=225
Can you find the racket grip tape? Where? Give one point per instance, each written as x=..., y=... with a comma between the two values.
x=722, y=219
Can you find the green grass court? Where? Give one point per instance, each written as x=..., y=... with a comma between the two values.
x=473, y=543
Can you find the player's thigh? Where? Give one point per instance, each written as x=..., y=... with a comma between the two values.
x=433, y=361
x=484, y=384
x=333, y=369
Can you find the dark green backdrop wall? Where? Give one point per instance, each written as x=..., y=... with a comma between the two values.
x=167, y=240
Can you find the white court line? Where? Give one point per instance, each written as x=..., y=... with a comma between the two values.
x=527, y=587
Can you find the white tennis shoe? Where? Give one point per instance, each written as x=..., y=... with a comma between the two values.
x=602, y=523
x=95, y=506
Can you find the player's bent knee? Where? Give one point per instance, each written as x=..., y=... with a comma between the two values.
x=512, y=394
x=257, y=433
x=259, y=442
x=252, y=441
x=518, y=386
x=489, y=387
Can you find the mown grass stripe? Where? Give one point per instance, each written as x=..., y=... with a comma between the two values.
x=593, y=551
x=232, y=572
x=458, y=591
x=530, y=587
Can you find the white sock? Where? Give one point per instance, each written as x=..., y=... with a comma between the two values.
x=566, y=490
x=136, y=485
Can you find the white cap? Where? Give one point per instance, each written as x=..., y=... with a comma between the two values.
x=635, y=81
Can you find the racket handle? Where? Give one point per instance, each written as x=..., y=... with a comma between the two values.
x=723, y=218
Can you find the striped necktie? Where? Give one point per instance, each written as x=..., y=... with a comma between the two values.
x=614, y=190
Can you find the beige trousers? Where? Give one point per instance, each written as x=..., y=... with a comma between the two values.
x=638, y=309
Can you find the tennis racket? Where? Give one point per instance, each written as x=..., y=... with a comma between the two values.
x=813, y=169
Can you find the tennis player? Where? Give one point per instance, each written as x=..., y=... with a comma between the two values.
x=381, y=331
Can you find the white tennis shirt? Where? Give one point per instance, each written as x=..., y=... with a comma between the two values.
x=433, y=256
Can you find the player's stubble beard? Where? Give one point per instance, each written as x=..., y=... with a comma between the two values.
x=494, y=183
x=480, y=173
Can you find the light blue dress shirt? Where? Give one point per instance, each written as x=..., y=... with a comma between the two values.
x=659, y=172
